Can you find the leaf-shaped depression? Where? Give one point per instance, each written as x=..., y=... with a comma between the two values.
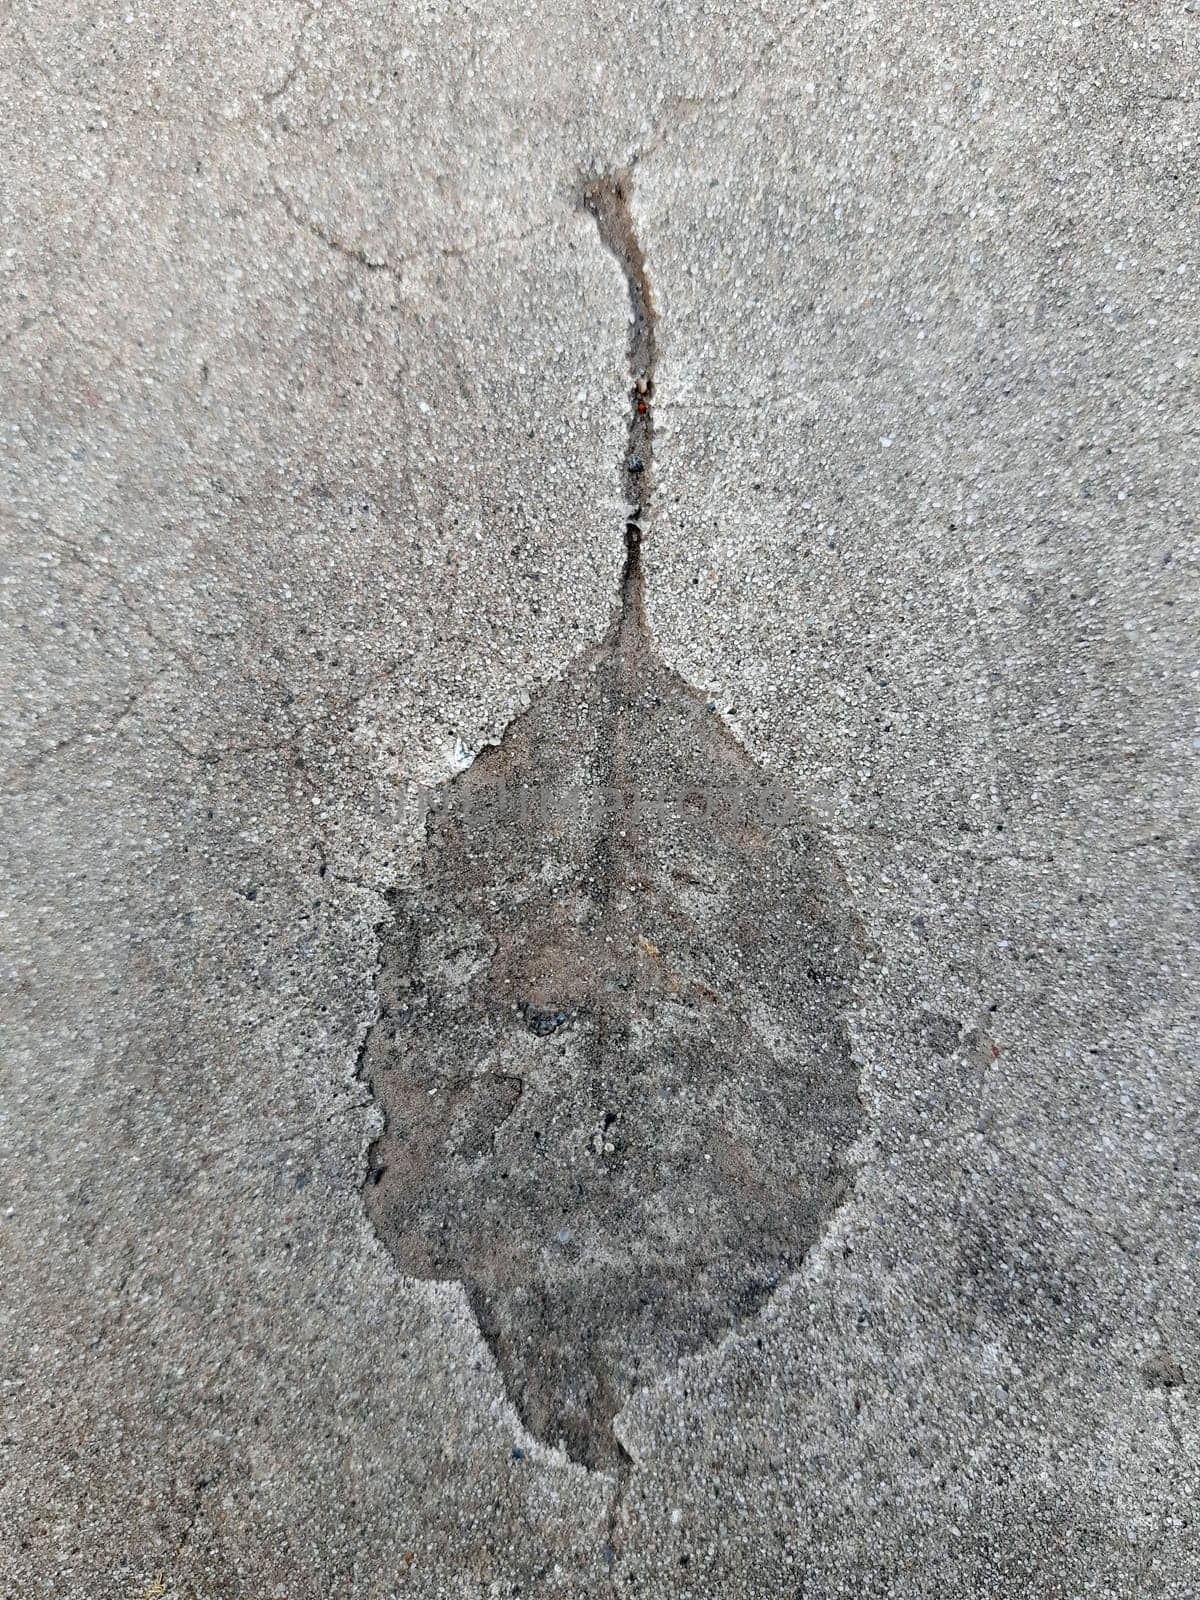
x=611, y=1048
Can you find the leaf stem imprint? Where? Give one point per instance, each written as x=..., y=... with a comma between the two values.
x=608, y=199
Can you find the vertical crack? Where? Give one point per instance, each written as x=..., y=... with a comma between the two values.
x=608, y=200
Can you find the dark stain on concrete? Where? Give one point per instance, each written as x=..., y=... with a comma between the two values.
x=1162, y=1371
x=611, y=1048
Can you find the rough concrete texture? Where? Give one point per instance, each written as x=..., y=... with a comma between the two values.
x=315, y=389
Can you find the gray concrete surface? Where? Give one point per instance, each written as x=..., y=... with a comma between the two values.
x=314, y=382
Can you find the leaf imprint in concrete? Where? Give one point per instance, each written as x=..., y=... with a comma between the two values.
x=611, y=1050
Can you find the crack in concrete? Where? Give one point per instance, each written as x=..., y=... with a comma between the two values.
x=289, y=77
x=95, y=730
x=608, y=199
x=200, y=1488
x=390, y=266
x=331, y=241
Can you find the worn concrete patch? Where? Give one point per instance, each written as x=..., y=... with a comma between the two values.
x=611, y=1048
